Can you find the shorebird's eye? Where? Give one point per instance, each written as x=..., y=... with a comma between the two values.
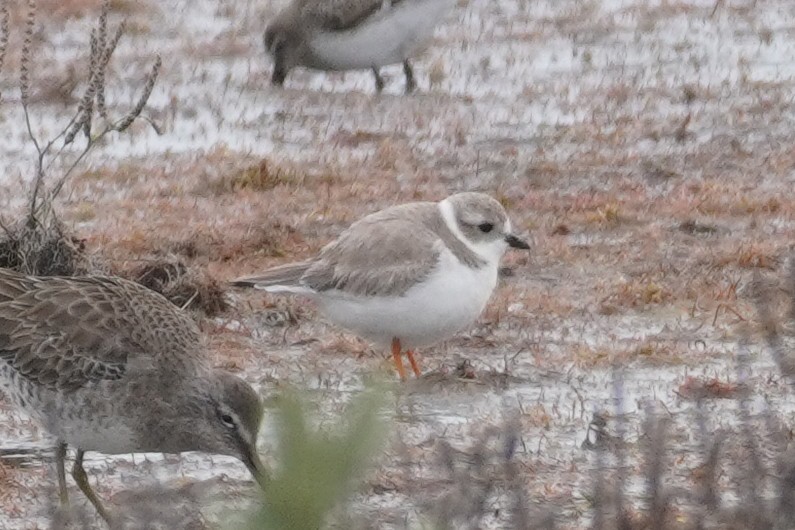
x=486, y=227
x=228, y=421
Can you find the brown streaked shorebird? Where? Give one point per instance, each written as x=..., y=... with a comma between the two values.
x=352, y=35
x=408, y=276
x=108, y=365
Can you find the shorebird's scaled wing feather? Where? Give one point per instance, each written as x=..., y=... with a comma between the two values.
x=375, y=258
x=65, y=333
x=339, y=15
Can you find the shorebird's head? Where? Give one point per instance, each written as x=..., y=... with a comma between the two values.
x=483, y=223
x=284, y=45
x=229, y=414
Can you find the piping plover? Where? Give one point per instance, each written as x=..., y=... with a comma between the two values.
x=351, y=35
x=408, y=276
x=108, y=365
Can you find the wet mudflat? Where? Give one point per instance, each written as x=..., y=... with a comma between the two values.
x=645, y=147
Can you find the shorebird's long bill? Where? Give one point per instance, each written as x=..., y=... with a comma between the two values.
x=255, y=465
x=516, y=242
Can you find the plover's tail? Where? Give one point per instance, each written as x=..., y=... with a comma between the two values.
x=285, y=278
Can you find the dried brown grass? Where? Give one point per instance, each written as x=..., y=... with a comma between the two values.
x=11, y=490
x=260, y=176
x=66, y=9
x=49, y=250
x=188, y=288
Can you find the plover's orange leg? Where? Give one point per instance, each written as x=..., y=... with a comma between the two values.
x=398, y=359
x=414, y=364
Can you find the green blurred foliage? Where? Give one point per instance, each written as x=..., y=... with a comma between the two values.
x=315, y=471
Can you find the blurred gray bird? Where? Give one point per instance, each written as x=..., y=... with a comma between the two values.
x=352, y=35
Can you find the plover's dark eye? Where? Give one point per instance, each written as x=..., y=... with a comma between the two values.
x=486, y=227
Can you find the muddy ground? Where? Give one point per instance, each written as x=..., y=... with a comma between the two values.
x=645, y=147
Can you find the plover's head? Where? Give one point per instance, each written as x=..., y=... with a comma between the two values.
x=483, y=223
x=224, y=414
x=284, y=44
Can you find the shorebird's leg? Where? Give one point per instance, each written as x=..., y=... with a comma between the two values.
x=410, y=84
x=60, y=456
x=398, y=359
x=379, y=81
x=279, y=68
x=414, y=364
x=79, y=474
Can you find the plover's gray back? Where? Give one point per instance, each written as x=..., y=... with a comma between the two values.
x=111, y=366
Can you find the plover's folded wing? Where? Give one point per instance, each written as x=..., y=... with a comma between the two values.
x=339, y=15
x=376, y=257
x=68, y=332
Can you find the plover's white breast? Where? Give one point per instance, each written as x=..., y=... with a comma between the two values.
x=387, y=37
x=449, y=300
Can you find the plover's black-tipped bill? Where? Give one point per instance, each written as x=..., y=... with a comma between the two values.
x=516, y=242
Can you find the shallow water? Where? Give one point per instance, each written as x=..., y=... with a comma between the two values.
x=564, y=82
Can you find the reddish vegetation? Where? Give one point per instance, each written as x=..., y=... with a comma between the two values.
x=696, y=388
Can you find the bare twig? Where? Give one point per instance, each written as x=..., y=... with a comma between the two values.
x=102, y=37
x=102, y=47
x=86, y=101
x=95, y=73
x=681, y=131
x=711, y=492
x=57, y=188
x=655, y=460
x=136, y=111
x=119, y=126
x=718, y=4
x=97, y=89
x=781, y=355
x=24, y=70
x=24, y=90
x=623, y=522
x=519, y=512
x=752, y=475
x=786, y=489
x=599, y=496
x=24, y=66
x=4, y=17
x=101, y=53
